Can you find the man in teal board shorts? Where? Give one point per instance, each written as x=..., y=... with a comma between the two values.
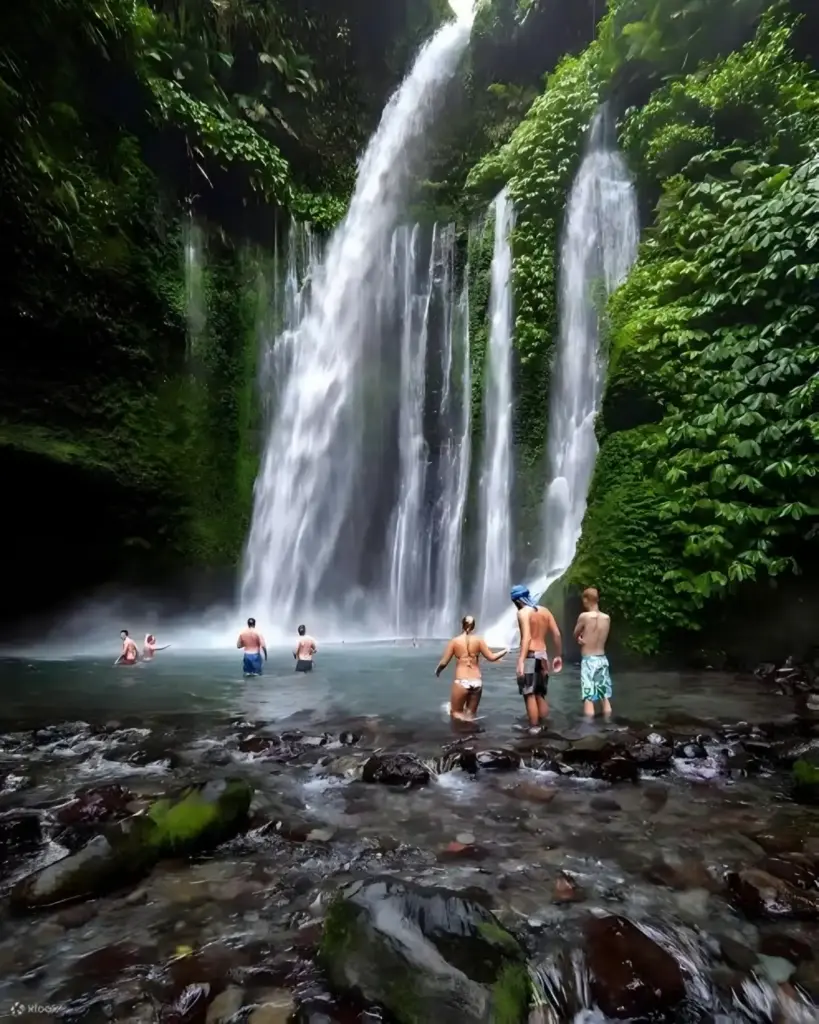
x=591, y=633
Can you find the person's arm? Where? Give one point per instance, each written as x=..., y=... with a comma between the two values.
x=239, y=643
x=486, y=651
x=263, y=646
x=446, y=657
x=525, y=640
x=313, y=646
x=155, y=648
x=557, y=639
x=579, y=627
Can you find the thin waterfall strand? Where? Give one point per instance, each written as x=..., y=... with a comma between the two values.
x=599, y=245
x=496, y=478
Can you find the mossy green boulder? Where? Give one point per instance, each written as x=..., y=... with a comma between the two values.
x=425, y=954
x=198, y=819
x=806, y=781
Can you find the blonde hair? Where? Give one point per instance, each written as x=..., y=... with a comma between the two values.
x=468, y=623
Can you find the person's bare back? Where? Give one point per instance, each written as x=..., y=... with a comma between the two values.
x=593, y=630
x=250, y=641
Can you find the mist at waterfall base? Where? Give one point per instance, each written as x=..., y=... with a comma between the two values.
x=599, y=246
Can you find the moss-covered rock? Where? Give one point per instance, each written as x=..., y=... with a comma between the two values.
x=199, y=819
x=806, y=781
x=426, y=954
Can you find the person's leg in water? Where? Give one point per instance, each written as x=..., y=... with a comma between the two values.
x=534, y=687
x=252, y=664
x=595, y=684
x=462, y=696
x=473, y=699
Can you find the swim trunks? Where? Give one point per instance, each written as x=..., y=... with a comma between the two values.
x=304, y=666
x=595, y=677
x=535, y=681
x=252, y=664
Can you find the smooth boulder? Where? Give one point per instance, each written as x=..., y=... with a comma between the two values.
x=198, y=819
x=759, y=894
x=395, y=770
x=631, y=976
x=425, y=954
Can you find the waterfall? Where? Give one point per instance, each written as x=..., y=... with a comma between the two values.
x=322, y=487
x=599, y=246
x=496, y=476
x=455, y=415
x=195, y=306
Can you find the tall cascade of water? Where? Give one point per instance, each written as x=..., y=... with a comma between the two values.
x=195, y=307
x=321, y=483
x=424, y=564
x=496, y=475
x=599, y=245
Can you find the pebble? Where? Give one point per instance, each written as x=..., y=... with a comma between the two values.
x=276, y=1008
x=466, y=838
x=693, y=905
x=320, y=835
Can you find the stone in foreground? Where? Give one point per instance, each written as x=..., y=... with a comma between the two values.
x=425, y=954
x=199, y=819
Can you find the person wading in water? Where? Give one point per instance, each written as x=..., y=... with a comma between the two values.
x=467, y=685
x=252, y=643
x=532, y=670
x=129, y=654
x=305, y=649
x=591, y=633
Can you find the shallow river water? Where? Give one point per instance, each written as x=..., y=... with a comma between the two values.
x=563, y=833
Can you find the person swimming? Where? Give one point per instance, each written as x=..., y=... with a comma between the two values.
x=252, y=643
x=149, y=648
x=129, y=654
x=467, y=686
x=305, y=649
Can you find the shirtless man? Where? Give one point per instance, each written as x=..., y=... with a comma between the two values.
x=467, y=686
x=305, y=649
x=591, y=633
x=252, y=643
x=532, y=669
x=129, y=653
x=149, y=648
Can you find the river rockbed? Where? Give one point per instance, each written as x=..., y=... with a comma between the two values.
x=643, y=871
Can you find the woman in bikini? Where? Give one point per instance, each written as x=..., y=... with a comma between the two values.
x=467, y=684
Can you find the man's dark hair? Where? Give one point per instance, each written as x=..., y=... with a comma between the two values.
x=302, y=630
x=125, y=631
x=251, y=623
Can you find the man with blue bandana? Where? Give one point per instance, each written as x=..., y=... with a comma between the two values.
x=591, y=633
x=534, y=623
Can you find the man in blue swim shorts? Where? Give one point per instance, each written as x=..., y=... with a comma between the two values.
x=591, y=633
x=252, y=643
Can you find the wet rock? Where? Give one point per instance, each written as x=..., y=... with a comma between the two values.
x=395, y=770
x=807, y=978
x=258, y=744
x=775, y=969
x=276, y=1008
x=200, y=818
x=775, y=843
x=631, y=976
x=225, y=1006
x=462, y=851
x=20, y=833
x=690, y=751
x=736, y=954
x=590, y=750
x=349, y=739
x=189, y=1007
x=497, y=760
x=95, y=805
x=798, y=873
x=620, y=768
x=760, y=895
x=533, y=792
x=76, y=917
x=788, y=947
x=604, y=804
x=651, y=756
x=655, y=798
x=567, y=890
x=685, y=873
x=424, y=954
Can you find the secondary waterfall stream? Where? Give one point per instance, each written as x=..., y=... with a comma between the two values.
x=313, y=538
x=496, y=478
x=599, y=246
